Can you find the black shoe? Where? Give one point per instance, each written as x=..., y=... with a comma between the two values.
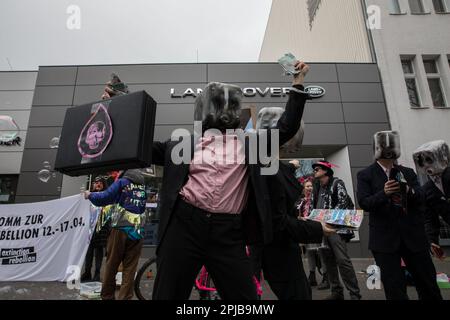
x=86, y=277
x=325, y=284
x=335, y=296
x=312, y=279
x=353, y=297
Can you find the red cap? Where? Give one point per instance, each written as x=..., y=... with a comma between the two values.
x=326, y=166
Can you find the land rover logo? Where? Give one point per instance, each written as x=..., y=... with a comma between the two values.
x=315, y=91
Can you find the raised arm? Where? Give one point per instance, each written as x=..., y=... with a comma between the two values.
x=289, y=122
x=104, y=198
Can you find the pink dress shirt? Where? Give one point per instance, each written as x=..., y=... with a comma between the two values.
x=217, y=180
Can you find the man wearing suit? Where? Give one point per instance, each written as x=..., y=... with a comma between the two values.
x=210, y=210
x=280, y=260
x=438, y=205
x=394, y=199
x=433, y=159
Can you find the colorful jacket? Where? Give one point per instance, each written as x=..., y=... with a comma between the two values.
x=129, y=196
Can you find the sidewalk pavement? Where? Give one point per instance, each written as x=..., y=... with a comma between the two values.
x=59, y=291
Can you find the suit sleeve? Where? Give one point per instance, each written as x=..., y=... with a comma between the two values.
x=367, y=200
x=415, y=195
x=299, y=230
x=290, y=120
x=432, y=225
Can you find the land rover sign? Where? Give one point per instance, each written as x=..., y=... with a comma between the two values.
x=315, y=91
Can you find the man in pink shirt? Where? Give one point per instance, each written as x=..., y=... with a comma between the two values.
x=215, y=203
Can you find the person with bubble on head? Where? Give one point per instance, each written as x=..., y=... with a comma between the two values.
x=280, y=260
x=433, y=160
x=209, y=210
x=392, y=195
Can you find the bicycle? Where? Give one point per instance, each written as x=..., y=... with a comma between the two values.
x=146, y=275
x=145, y=279
x=207, y=291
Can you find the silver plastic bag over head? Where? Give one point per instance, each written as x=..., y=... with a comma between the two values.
x=386, y=145
x=268, y=119
x=219, y=106
x=432, y=158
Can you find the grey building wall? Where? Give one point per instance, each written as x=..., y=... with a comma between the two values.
x=16, y=94
x=352, y=110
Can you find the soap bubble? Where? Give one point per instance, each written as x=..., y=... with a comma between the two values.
x=8, y=129
x=44, y=175
x=54, y=142
x=46, y=165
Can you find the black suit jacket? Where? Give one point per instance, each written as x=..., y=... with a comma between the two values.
x=281, y=259
x=284, y=191
x=389, y=226
x=256, y=217
x=437, y=204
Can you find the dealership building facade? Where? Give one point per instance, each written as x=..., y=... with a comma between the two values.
x=338, y=126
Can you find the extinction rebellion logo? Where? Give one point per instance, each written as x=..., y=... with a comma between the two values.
x=17, y=255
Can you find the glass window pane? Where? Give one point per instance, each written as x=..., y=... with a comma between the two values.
x=430, y=66
x=8, y=186
x=394, y=6
x=439, y=5
x=416, y=6
x=436, y=92
x=412, y=93
x=407, y=66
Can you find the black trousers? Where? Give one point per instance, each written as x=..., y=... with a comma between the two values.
x=90, y=258
x=282, y=267
x=296, y=289
x=420, y=266
x=195, y=238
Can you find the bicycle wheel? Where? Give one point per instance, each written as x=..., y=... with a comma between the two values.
x=145, y=279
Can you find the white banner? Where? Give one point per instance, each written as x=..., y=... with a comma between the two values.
x=45, y=241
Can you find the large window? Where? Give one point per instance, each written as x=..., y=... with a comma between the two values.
x=8, y=185
x=416, y=6
x=441, y=6
x=434, y=82
x=410, y=80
